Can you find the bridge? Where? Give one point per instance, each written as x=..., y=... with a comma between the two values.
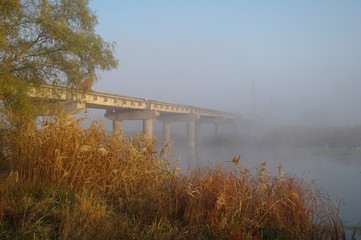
x=119, y=107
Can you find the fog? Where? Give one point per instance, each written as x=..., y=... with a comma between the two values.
x=304, y=58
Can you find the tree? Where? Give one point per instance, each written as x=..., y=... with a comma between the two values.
x=49, y=42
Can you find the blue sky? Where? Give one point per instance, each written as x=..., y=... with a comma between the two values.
x=304, y=56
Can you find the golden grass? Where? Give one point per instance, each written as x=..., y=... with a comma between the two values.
x=63, y=181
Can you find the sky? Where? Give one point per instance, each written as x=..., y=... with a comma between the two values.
x=304, y=57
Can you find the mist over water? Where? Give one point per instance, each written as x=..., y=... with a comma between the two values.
x=329, y=155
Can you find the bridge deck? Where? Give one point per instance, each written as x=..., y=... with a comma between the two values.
x=102, y=100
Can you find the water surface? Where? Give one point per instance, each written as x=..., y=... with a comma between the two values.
x=336, y=173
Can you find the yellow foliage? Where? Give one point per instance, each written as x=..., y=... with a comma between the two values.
x=129, y=184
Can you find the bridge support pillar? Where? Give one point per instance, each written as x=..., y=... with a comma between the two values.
x=117, y=126
x=145, y=115
x=166, y=132
x=148, y=127
x=189, y=118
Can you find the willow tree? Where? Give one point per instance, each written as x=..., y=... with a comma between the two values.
x=48, y=42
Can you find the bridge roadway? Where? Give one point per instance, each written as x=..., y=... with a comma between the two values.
x=119, y=107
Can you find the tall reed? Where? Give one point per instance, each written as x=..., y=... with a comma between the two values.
x=64, y=181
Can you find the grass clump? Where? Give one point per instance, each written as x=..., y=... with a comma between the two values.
x=64, y=181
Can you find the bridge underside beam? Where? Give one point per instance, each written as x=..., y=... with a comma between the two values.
x=177, y=117
x=212, y=120
x=61, y=107
x=131, y=115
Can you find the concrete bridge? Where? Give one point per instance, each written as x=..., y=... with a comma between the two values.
x=120, y=107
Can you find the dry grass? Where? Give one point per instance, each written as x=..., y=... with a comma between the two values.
x=63, y=181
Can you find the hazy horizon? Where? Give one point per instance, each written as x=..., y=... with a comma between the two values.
x=304, y=57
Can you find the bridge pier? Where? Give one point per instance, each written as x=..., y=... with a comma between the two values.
x=148, y=127
x=118, y=115
x=189, y=118
x=217, y=121
x=117, y=127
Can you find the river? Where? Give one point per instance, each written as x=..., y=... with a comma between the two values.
x=337, y=174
